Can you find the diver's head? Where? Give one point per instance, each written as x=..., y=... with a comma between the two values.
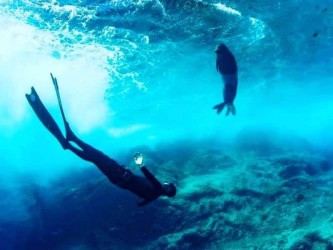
x=169, y=189
x=221, y=48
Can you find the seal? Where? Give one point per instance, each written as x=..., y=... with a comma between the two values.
x=226, y=65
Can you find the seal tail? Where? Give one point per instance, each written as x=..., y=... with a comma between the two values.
x=219, y=107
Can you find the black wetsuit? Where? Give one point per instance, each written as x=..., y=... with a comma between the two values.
x=147, y=187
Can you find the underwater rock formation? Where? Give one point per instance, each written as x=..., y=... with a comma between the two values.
x=233, y=199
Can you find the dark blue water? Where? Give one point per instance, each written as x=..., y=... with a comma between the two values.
x=142, y=74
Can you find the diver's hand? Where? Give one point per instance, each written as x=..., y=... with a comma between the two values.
x=138, y=159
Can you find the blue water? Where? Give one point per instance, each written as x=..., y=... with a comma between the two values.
x=137, y=73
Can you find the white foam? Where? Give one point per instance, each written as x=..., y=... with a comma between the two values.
x=27, y=56
x=229, y=10
x=26, y=59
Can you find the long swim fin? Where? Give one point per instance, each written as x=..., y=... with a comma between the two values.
x=45, y=117
x=55, y=83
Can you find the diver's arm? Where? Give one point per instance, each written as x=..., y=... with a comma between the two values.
x=151, y=177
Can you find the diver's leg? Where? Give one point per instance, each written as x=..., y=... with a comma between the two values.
x=109, y=167
x=86, y=152
x=80, y=153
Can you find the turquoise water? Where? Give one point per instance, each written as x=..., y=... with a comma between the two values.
x=141, y=74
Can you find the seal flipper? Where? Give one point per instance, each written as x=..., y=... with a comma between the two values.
x=231, y=108
x=45, y=117
x=219, y=107
x=228, y=111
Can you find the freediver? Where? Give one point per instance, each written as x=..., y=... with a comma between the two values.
x=147, y=187
x=227, y=66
